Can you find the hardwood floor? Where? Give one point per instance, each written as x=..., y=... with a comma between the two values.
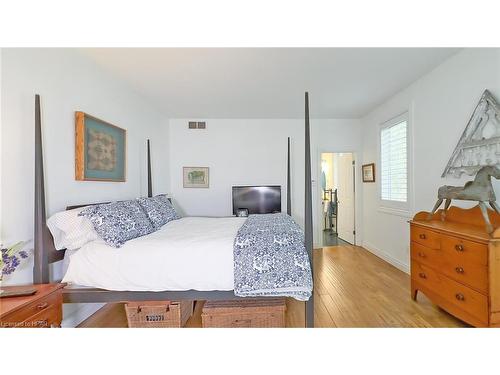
x=330, y=238
x=353, y=288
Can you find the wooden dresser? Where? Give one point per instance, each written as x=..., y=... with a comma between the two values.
x=40, y=310
x=456, y=264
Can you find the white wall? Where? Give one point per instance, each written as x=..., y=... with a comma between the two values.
x=67, y=82
x=334, y=136
x=238, y=152
x=440, y=105
x=251, y=152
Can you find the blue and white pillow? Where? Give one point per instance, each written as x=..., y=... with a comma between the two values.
x=118, y=222
x=159, y=210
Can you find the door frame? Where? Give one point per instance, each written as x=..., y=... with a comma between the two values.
x=319, y=230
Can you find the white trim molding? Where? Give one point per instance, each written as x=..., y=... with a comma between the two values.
x=405, y=267
x=394, y=211
x=403, y=209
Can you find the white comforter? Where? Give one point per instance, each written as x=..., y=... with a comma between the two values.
x=189, y=253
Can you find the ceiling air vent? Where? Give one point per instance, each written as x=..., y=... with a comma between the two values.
x=197, y=125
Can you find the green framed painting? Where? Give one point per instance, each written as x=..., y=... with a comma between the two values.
x=100, y=150
x=195, y=177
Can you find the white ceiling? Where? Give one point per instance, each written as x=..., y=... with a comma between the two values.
x=267, y=82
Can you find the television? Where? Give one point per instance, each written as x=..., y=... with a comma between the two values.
x=257, y=199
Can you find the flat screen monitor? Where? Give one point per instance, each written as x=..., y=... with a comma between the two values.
x=257, y=199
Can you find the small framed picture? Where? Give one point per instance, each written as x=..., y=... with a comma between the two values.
x=368, y=172
x=195, y=177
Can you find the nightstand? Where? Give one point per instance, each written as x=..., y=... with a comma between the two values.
x=40, y=310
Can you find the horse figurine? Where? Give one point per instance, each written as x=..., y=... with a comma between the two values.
x=479, y=190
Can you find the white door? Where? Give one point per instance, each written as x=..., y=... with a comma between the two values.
x=345, y=193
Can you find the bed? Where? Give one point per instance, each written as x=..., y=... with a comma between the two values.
x=157, y=262
x=190, y=258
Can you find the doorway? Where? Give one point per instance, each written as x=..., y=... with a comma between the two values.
x=337, y=202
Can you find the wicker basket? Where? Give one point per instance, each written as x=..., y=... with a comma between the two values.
x=158, y=314
x=252, y=313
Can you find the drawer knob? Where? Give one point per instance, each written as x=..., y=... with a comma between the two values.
x=421, y=255
x=422, y=275
x=460, y=297
x=422, y=236
x=459, y=247
x=42, y=306
x=459, y=270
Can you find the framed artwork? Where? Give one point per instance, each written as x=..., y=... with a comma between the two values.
x=368, y=172
x=100, y=150
x=195, y=177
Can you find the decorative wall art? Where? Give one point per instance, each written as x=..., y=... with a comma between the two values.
x=100, y=150
x=195, y=177
x=368, y=172
x=479, y=145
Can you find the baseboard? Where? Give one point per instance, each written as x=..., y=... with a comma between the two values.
x=388, y=258
x=75, y=313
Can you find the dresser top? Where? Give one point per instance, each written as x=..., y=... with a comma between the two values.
x=456, y=229
x=11, y=304
x=466, y=223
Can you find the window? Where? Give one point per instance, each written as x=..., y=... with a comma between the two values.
x=394, y=163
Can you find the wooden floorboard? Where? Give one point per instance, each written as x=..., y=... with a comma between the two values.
x=353, y=288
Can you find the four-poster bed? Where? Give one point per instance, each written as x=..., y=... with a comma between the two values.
x=45, y=252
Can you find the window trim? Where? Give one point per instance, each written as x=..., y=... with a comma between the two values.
x=403, y=209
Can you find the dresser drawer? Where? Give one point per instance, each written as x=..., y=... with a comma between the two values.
x=469, y=274
x=426, y=255
x=425, y=237
x=453, y=266
x=461, y=296
x=54, y=299
x=464, y=251
x=46, y=318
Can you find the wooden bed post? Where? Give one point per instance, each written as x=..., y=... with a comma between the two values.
x=308, y=227
x=150, y=184
x=288, y=183
x=41, y=266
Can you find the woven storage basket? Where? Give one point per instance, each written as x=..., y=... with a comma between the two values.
x=158, y=314
x=252, y=313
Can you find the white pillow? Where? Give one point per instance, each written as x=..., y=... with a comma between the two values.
x=71, y=231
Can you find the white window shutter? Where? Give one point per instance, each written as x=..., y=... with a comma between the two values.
x=394, y=162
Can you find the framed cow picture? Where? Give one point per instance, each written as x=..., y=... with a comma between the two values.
x=195, y=177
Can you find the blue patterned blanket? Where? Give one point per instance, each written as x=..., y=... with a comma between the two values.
x=270, y=258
